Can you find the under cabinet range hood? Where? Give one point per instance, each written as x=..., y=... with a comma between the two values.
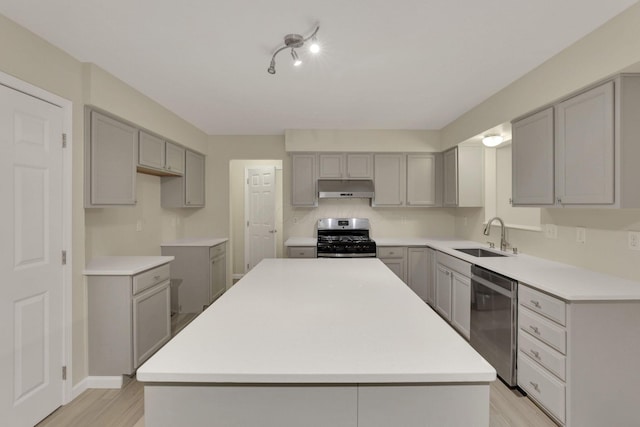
x=345, y=189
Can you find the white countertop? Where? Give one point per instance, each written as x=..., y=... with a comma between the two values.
x=562, y=280
x=197, y=241
x=318, y=321
x=301, y=241
x=123, y=265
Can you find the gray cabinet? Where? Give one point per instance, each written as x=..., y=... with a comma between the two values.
x=453, y=292
x=303, y=180
x=588, y=158
x=129, y=320
x=464, y=176
x=110, y=161
x=443, y=291
x=301, y=252
x=187, y=191
x=394, y=257
x=532, y=160
x=421, y=179
x=389, y=179
x=359, y=166
x=159, y=157
x=200, y=274
x=345, y=166
x=431, y=276
x=418, y=271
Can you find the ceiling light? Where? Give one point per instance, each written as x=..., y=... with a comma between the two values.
x=296, y=60
x=492, y=140
x=295, y=41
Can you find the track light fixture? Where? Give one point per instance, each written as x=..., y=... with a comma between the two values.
x=295, y=41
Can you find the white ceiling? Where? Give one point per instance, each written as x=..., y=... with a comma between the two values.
x=405, y=64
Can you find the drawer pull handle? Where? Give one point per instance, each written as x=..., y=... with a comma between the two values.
x=536, y=354
x=392, y=253
x=535, y=386
x=535, y=329
x=156, y=277
x=300, y=253
x=535, y=303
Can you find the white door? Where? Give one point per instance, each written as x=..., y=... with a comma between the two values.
x=260, y=215
x=31, y=292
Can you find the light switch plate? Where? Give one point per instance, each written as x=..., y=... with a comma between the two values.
x=139, y=225
x=581, y=235
x=634, y=240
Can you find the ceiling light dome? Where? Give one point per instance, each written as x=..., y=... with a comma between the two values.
x=295, y=41
x=492, y=140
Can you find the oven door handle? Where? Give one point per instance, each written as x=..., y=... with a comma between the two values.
x=493, y=287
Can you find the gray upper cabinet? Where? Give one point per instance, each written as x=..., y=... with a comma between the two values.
x=303, y=180
x=110, y=162
x=421, y=180
x=389, y=179
x=464, y=176
x=187, y=191
x=151, y=151
x=532, y=159
x=585, y=148
x=174, y=158
x=345, y=166
x=589, y=158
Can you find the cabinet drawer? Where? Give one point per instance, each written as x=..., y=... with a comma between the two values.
x=453, y=263
x=149, y=278
x=543, y=354
x=544, y=304
x=302, y=252
x=216, y=250
x=543, y=329
x=542, y=386
x=391, y=252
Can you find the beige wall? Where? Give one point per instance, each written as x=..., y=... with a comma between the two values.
x=362, y=140
x=612, y=48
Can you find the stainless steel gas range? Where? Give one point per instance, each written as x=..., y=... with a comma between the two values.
x=345, y=238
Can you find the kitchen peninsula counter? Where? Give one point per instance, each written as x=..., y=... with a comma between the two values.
x=317, y=342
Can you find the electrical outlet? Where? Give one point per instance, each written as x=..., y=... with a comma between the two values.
x=581, y=235
x=634, y=240
x=139, y=225
x=551, y=231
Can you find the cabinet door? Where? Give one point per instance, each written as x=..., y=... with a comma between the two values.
x=461, y=304
x=388, y=170
x=150, y=151
x=151, y=321
x=174, y=158
x=396, y=265
x=113, y=156
x=443, y=292
x=359, y=166
x=451, y=177
x=217, y=277
x=532, y=145
x=303, y=180
x=331, y=165
x=194, y=179
x=421, y=180
x=431, y=276
x=585, y=148
x=417, y=271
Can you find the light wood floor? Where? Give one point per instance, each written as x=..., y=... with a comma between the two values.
x=124, y=408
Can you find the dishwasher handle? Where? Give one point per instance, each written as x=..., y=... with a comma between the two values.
x=483, y=282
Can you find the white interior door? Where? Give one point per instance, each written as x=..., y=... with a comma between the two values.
x=260, y=214
x=31, y=291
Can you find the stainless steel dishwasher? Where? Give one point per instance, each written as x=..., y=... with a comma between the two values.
x=494, y=328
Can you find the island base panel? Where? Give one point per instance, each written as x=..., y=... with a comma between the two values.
x=407, y=405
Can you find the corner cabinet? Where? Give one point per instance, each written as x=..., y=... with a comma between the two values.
x=394, y=257
x=199, y=271
x=463, y=184
x=129, y=319
x=303, y=180
x=110, y=161
x=187, y=191
x=581, y=151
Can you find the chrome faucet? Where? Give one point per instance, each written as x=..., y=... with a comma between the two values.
x=487, y=229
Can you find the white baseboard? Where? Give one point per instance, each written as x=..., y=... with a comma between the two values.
x=104, y=382
x=78, y=389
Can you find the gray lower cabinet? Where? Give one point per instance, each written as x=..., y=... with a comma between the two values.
x=200, y=274
x=395, y=257
x=110, y=161
x=418, y=271
x=453, y=292
x=301, y=252
x=187, y=191
x=129, y=320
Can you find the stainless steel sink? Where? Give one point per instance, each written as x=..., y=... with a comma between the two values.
x=479, y=252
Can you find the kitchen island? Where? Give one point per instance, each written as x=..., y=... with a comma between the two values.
x=317, y=342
